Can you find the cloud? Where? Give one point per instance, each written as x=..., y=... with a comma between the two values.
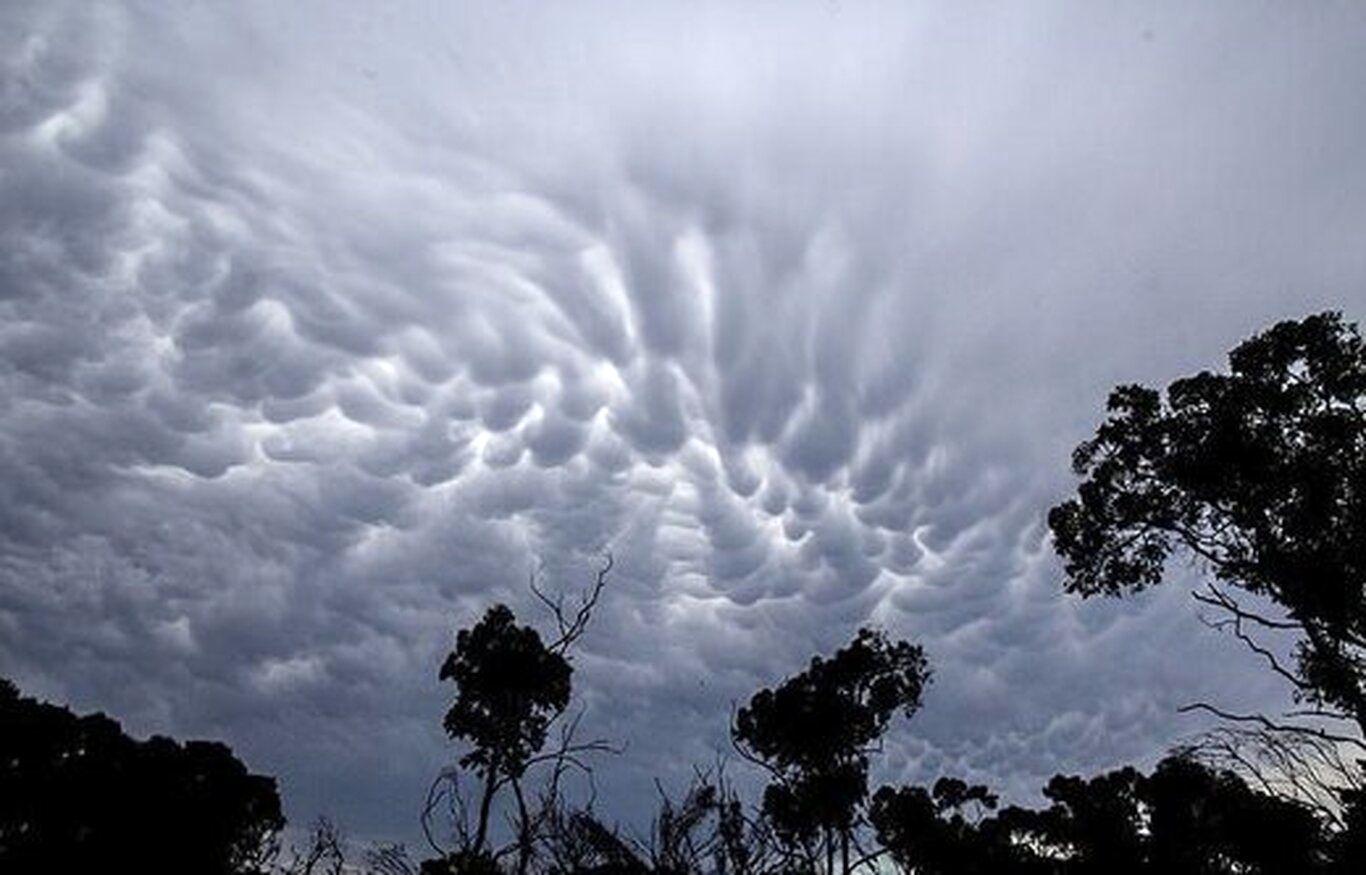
x=320, y=330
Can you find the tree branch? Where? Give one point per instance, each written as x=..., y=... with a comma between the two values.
x=1271, y=725
x=572, y=626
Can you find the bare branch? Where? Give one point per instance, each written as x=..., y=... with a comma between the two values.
x=389, y=859
x=445, y=788
x=867, y=858
x=1218, y=598
x=1271, y=725
x=1302, y=767
x=1234, y=623
x=572, y=625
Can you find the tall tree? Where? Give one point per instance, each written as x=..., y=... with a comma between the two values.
x=511, y=686
x=1259, y=473
x=814, y=734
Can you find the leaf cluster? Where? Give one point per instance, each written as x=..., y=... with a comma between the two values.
x=509, y=688
x=815, y=731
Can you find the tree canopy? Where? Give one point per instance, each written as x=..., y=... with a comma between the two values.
x=815, y=731
x=508, y=687
x=79, y=795
x=1260, y=474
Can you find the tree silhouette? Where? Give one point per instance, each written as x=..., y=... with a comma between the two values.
x=1349, y=843
x=78, y=795
x=1183, y=819
x=1097, y=821
x=943, y=831
x=1201, y=820
x=511, y=687
x=1260, y=473
x=814, y=734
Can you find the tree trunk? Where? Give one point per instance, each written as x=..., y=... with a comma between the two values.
x=485, y=803
x=523, y=829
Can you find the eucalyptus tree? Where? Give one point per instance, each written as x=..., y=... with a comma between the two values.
x=814, y=734
x=511, y=687
x=1259, y=473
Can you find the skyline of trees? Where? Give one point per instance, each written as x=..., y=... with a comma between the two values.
x=1259, y=473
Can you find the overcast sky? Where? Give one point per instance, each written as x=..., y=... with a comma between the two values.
x=323, y=325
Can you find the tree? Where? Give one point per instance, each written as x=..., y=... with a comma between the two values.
x=1260, y=474
x=930, y=832
x=814, y=734
x=78, y=795
x=511, y=687
x=1185, y=818
x=1313, y=769
x=1201, y=820
x=1097, y=821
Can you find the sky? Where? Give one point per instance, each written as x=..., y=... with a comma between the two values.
x=323, y=326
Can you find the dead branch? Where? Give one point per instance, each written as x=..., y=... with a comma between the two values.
x=1272, y=726
x=571, y=624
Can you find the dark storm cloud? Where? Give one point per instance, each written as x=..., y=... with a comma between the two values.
x=321, y=329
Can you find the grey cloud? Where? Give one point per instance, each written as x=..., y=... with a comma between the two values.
x=798, y=315
x=654, y=421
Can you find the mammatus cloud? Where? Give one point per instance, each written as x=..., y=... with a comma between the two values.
x=320, y=328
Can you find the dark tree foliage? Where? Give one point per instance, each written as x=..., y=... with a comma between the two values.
x=1183, y=819
x=78, y=795
x=942, y=831
x=1349, y=845
x=815, y=731
x=1200, y=819
x=1097, y=821
x=1260, y=473
x=509, y=686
